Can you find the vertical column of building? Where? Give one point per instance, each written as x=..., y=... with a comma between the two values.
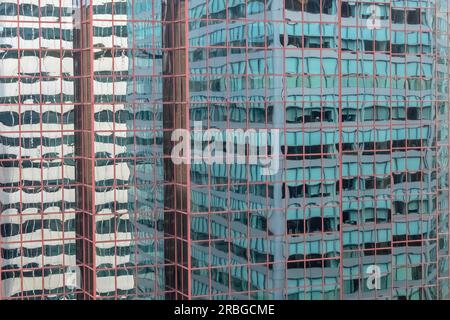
x=115, y=272
x=360, y=178
x=37, y=172
x=276, y=220
x=85, y=223
x=256, y=236
x=119, y=149
x=176, y=116
x=390, y=180
x=237, y=91
x=312, y=43
x=235, y=85
x=144, y=146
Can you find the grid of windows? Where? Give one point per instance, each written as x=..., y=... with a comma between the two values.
x=38, y=209
x=362, y=170
x=81, y=165
x=93, y=207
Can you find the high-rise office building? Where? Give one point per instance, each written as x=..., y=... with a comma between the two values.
x=81, y=203
x=38, y=202
x=352, y=97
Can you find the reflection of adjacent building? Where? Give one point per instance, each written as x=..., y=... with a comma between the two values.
x=126, y=114
x=364, y=145
x=39, y=151
x=37, y=173
x=112, y=173
x=145, y=138
x=388, y=194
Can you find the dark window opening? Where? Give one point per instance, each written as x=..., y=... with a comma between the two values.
x=346, y=10
x=310, y=263
x=296, y=261
x=296, y=226
x=413, y=17
x=398, y=48
x=413, y=113
x=397, y=16
x=347, y=217
x=349, y=184
x=399, y=207
x=296, y=192
x=314, y=224
x=294, y=5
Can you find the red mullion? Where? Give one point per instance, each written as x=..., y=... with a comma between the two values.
x=41, y=144
x=228, y=78
x=175, y=203
x=81, y=211
x=322, y=176
x=436, y=143
x=285, y=294
x=340, y=128
x=133, y=106
x=33, y=241
x=174, y=263
x=407, y=149
x=63, y=207
x=248, y=104
x=374, y=126
x=359, y=126
x=303, y=167
x=20, y=144
x=422, y=155
x=114, y=213
x=188, y=165
x=26, y=21
x=32, y=131
x=208, y=48
x=91, y=206
x=248, y=125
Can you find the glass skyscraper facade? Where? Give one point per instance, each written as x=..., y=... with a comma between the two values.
x=38, y=201
x=92, y=205
x=81, y=164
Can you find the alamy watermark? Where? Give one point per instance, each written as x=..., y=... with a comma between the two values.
x=374, y=279
x=228, y=146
